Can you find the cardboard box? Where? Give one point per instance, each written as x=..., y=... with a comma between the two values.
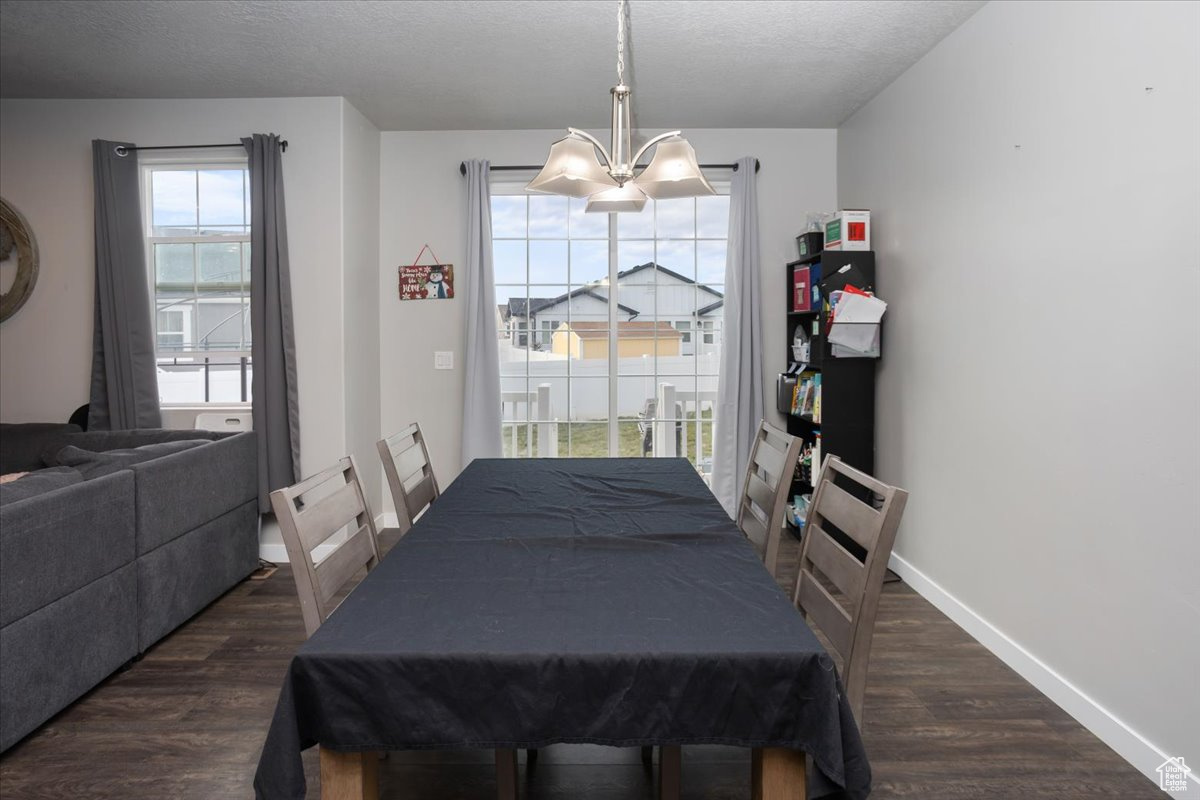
x=849, y=230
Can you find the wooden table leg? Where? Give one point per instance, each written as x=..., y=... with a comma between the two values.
x=349, y=776
x=777, y=773
x=670, y=768
x=506, y=774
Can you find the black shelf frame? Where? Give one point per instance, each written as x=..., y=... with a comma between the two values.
x=847, y=425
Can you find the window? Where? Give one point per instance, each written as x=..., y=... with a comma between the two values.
x=197, y=223
x=548, y=327
x=623, y=315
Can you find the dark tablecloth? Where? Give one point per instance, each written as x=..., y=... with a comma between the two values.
x=607, y=601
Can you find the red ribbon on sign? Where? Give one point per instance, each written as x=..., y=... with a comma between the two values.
x=421, y=252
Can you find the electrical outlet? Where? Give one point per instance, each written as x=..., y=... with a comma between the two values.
x=443, y=359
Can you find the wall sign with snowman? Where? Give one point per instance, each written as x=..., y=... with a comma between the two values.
x=426, y=281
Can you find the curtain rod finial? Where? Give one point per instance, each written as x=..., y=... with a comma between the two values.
x=462, y=168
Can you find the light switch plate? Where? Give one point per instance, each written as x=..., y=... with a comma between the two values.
x=443, y=359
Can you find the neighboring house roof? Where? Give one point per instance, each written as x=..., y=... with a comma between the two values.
x=625, y=330
x=660, y=268
x=523, y=307
x=517, y=306
x=539, y=304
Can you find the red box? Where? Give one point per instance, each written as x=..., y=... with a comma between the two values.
x=801, y=296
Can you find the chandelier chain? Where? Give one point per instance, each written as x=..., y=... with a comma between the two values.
x=621, y=42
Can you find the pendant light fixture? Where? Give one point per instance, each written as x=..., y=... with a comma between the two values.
x=573, y=169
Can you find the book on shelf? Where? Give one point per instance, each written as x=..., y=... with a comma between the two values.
x=804, y=395
x=816, y=406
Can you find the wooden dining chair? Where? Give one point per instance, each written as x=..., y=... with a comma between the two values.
x=409, y=473
x=863, y=513
x=765, y=490
x=307, y=522
x=309, y=514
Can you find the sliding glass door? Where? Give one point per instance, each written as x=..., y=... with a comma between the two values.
x=609, y=326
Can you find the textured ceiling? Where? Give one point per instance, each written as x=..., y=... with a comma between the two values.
x=482, y=64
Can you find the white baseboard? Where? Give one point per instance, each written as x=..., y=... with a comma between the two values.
x=276, y=552
x=1128, y=743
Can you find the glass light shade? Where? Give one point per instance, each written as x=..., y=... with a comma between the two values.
x=616, y=200
x=572, y=169
x=673, y=172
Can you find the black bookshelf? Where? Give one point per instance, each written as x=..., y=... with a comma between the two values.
x=847, y=425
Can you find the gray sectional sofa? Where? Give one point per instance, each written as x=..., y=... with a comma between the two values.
x=106, y=558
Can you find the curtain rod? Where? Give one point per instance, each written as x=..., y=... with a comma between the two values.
x=462, y=168
x=121, y=150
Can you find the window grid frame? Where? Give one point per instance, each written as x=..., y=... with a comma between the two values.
x=198, y=292
x=612, y=372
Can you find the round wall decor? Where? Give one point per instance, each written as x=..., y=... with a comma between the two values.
x=16, y=235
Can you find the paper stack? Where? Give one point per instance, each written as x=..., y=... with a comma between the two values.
x=854, y=329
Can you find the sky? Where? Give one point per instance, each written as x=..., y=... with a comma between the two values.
x=222, y=194
x=569, y=247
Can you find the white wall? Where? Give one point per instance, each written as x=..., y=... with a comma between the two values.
x=331, y=177
x=46, y=171
x=360, y=248
x=1037, y=224
x=423, y=200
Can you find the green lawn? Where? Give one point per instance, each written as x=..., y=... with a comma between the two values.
x=590, y=439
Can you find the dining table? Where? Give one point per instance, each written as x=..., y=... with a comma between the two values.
x=542, y=601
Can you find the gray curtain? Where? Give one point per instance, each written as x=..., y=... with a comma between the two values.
x=481, y=401
x=273, y=349
x=740, y=383
x=124, y=393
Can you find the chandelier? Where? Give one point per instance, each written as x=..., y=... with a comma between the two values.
x=572, y=168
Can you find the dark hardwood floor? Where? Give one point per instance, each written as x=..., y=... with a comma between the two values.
x=945, y=720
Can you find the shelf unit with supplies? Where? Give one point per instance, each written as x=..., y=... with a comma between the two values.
x=836, y=409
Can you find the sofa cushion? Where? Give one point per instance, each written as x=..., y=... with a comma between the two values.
x=171, y=587
x=34, y=483
x=22, y=445
x=106, y=441
x=181, y=492
x=92, y=464
x=54, y=655
x=55, y=543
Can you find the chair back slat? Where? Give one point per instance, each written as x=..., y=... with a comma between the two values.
x=409, y=461
x=774, y=437
x=308, y=522
x=770, y=459
x=321, y=519
x=761, y=493
x=765, y=490
x=405, y=456
x=755, y=531
x=421, y=495
x=848, y=627
x=852, y=516
x=339, y=566
x=833, y=620
x=836, y=563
